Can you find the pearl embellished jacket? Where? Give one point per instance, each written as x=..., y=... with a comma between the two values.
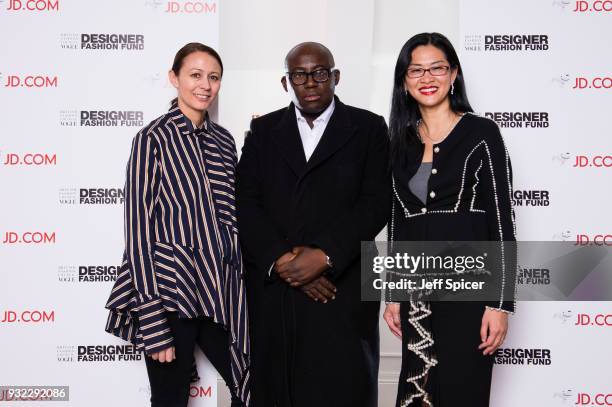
x=468, y=199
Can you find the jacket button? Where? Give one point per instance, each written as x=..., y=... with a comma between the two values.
x=436, y=149
x=423, y=210
x=432, y=194
x=434, y=171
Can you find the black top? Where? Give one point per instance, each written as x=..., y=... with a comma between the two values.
x=469, y=197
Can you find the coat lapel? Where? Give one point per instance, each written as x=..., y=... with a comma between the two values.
x=287, y=137
x=336, y=134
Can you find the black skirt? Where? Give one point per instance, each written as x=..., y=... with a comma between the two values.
x=441, y=363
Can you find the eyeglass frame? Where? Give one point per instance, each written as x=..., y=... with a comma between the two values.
x=447, y=69
x=311, y=74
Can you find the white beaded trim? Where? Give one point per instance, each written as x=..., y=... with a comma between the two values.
x=418, y=311
x=507, y=162
x=463, y=174
x=511, y=212
x=407, y=213
x=388, y=299
x=509, y=189
x=499, y=226
x=472, y=209
x=500, y=310
x=455, y=209
x=511, y=217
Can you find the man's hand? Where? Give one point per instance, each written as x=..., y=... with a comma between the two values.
x=320, y=289
x=285, y=258
x=307, y=265
x=166, y=355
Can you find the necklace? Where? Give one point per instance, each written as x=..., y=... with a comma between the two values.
x=452, y=124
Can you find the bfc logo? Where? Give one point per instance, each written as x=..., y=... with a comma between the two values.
x=183, y=7
x=101, y=118
x=104, y=42
x=91, y=196
x=506, y=42
x=28, y=159
x=29, y=238
x=28, y=81
x=32, y=5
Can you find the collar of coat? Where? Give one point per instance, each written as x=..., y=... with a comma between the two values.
x=338, y=132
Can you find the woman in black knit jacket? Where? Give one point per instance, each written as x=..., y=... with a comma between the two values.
x=452, y=181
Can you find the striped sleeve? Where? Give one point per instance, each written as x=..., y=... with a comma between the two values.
x=141, y=190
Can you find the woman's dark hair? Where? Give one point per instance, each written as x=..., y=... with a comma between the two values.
x=189, y=49
x=404, y=108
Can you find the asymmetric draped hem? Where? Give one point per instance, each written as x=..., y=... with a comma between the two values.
x=182, y=252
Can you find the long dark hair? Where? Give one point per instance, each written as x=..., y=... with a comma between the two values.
x=404, y=108
x=189, y=49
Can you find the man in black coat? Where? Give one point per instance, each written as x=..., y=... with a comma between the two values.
x=312, y=183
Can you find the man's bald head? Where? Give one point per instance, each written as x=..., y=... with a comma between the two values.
x=313, y=64
x=309, y=48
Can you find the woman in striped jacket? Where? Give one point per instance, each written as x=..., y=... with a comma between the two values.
x=181, y=281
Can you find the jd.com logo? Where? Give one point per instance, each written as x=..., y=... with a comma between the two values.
x=582, y=6
x=182, y=7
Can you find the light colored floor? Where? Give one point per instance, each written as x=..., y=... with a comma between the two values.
x=386, y=392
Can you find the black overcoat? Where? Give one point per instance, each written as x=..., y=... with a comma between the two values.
x=307, y=353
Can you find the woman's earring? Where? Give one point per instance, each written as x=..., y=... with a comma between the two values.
x=452, y=88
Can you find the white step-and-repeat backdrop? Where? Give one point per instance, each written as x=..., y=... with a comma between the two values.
x=542, y=71
x=79, y=78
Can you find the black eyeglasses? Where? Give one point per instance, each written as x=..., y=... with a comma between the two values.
x=319, y=75
x=440, y=70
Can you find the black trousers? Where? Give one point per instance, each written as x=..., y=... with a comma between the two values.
x=170, y=381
